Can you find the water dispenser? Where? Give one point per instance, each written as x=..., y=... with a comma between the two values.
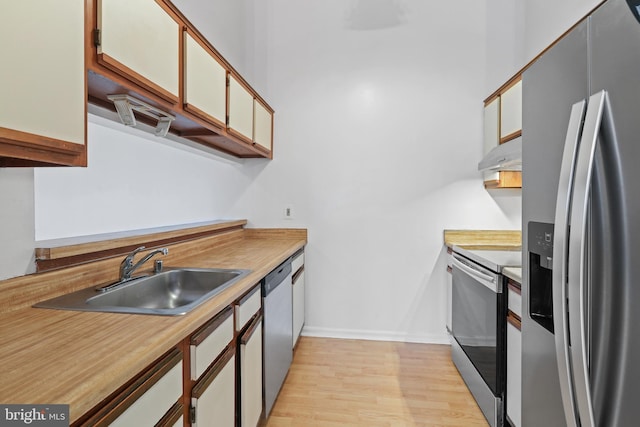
x=540, y=251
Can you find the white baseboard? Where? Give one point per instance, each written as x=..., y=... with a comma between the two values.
x=311, y=331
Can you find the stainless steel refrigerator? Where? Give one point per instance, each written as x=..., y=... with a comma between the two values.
x=581, y=225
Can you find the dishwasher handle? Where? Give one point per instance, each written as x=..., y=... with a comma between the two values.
x=276, y=277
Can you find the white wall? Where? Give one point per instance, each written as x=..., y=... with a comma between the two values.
x=505, y=42
x=545, y=21
x=134, y=180
x=378, y=135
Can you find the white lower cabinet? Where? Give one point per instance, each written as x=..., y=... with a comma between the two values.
x=213, y=368
x=449, y=290
x=213, y=398
x=247, y=307
x=153, y=399
x=298, y=305
x=210, y=341
x=298, y=295
x=251, y=374
x=151, y=406
x=514, y=374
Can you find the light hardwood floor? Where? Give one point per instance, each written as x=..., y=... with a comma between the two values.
x=336, y=382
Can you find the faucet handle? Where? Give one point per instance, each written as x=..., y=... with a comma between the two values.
x=134, y=252
x=128, y=260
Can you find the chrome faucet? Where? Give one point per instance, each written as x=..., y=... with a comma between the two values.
x=127, y=267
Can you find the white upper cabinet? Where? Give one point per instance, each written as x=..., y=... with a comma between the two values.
x=491, y=131
x=511, y=111
x=240, y=109
x=42, y=80
x=263, y=126
x=143, y=37
x=205, y=82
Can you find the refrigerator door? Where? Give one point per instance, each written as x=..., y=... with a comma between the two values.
x=551, y=86
x=612, y=270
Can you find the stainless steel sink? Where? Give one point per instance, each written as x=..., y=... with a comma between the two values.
x=171, y=292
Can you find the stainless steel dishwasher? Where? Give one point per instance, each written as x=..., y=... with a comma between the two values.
x=278, y=331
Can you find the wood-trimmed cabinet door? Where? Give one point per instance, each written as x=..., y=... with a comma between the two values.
x=210, y=341
x=42, y=83
x=139, y=40
x=262, y=126
x=511, y=112
x=514, y=373
x=205, y=83
x=152, y=399
x=213, y=397
x=250, y=383
x=491, y=132
x=514, y=353
x=240, y=121
x=298, y=296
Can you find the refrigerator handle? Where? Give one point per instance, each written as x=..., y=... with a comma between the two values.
x=560, y=261
x=598, y=114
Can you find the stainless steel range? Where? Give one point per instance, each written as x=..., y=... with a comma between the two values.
x=479, y=310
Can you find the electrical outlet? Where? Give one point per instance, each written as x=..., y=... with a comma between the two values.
x=288, y=212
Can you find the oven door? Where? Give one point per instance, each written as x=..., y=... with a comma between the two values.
x=477, y=319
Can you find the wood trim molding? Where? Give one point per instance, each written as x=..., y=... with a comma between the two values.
x=136, y=78
x=217, y=124
x=239, y=136
x=40, y=150
x=172, y=416
x=514, y=286
x=514, y=319
x=511, y=136
x=213, y=371
x=251, y=329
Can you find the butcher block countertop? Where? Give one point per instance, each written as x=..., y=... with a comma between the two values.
x=491, y=240
x=80, y=358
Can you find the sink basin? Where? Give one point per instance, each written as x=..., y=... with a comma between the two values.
x=171, y=292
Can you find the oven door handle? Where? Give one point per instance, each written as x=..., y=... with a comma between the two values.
x=487, y=280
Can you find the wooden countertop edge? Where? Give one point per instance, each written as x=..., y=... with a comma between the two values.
x=491, y=247
x=484, y=239
x=80, y=358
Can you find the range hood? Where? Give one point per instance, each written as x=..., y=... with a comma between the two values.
x=505, y=157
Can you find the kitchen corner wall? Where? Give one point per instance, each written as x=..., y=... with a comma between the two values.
x=378, y=135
